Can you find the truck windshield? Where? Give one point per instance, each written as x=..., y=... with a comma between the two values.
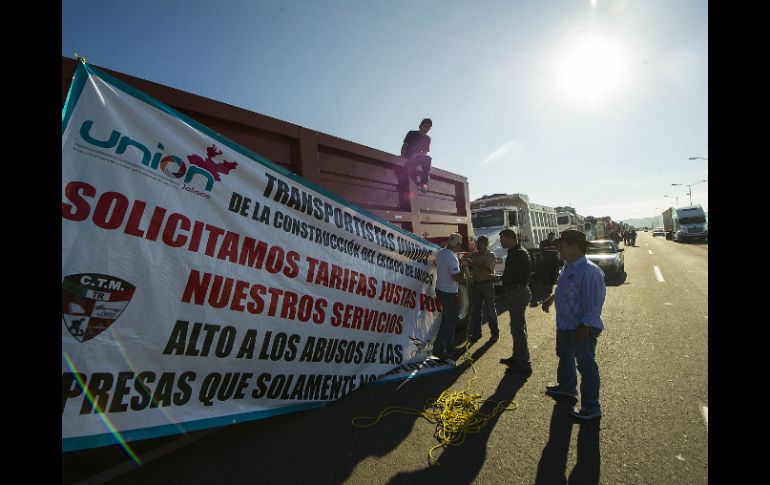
x=488, y=218
x=692, y=220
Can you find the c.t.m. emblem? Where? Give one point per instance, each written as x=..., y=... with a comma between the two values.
x=91, y=302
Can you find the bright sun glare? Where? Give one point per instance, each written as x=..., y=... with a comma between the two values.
x=592, y=70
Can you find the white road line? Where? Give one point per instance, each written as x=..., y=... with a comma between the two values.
x=704, y=410
x=658, y=274
x=649, y=251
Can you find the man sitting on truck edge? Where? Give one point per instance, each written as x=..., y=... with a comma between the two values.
x=415, y=148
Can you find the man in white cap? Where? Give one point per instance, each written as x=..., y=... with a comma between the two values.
x=579, y=297
x=447, y=287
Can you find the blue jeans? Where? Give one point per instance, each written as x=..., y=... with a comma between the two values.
x=445, y=339
x=419, y=160
x=569, y=350
x=483, y=293
x=517, y=300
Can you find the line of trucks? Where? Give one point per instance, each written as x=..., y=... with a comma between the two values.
x=376, y=180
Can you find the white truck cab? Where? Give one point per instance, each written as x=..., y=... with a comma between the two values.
x=531, y=222
x=689, y=224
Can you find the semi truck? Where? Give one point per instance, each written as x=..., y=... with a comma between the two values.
x=686, y=223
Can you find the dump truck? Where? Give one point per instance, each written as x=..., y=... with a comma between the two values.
x=531, y=222
x=369, y=178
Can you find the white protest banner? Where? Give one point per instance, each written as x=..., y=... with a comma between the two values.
x=203, y=285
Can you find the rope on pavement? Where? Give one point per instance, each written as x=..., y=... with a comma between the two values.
x=455, y=414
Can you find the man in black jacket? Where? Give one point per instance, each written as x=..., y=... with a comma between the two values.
x=517, y=295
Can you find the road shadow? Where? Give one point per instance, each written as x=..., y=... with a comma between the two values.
x=552, y=469
x=319, y=446
x=553, y=462
x=462, y=463
x=588, y=465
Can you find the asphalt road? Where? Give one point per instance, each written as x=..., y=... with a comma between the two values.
x=653, y=363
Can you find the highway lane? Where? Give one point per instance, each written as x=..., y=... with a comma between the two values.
x=656, y=366
x=653, y=363
x=688, y=260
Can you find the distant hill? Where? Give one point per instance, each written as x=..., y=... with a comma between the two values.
x=651, y=222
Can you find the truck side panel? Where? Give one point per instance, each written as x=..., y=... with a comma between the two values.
x=668, y=223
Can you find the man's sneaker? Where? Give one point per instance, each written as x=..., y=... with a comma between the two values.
x=585, y=414
x=558, y=391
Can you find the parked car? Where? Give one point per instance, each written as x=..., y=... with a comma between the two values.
x=658, y=231
x=606, y=254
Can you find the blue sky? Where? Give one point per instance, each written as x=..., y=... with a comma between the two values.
x=597, y=104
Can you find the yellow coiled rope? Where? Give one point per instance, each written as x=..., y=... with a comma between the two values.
x=455, y=414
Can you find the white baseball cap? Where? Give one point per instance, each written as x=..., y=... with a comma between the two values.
x=454, y=239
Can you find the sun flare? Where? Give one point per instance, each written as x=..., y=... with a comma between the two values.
x=592, y=70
